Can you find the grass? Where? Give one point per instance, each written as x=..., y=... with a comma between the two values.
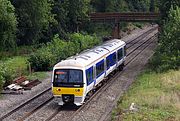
x=157, y=95
x=17, y=63
x=37, y=75
x=16, y=66
x=19, y=51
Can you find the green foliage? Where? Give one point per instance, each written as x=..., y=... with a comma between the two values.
x=1, y=77
x=70, y=14
x=138, y=5
x=167, y=55
x=42, y=59
x=170, y=39
x=77, y=13
x=1, y=82
x=83, y=42
x=109, y=5
x=7, y=74
x=57, y=50
x=165, y=6
x=152, y=6
x=12, y=68
x=34, y=17
x=37, y=75
x=20, y=51
x=7, y=25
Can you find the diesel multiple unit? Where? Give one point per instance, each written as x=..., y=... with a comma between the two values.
x=74, y=78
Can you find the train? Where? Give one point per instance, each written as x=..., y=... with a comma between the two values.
x=76, y=77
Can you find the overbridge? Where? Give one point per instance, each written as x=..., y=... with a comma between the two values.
x=124, y=17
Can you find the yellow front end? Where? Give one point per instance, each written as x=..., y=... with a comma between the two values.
x=78, y=94
x=58, y=91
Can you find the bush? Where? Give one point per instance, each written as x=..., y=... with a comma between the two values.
x=12, y=68
x=84, y=41
x=163, y=62
x=58, y=50
x=1, y=79
x=6, y=75
x=41, y=60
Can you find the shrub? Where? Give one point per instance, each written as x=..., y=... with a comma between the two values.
x=6, y=75
x=163, y=62
x=1, y=79
x=12, y=68
x=84, y=41
x=41, y=60
x=58, y=50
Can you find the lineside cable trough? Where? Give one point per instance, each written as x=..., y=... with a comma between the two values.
x=19, y=85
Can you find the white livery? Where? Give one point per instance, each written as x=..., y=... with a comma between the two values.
x=74, y=78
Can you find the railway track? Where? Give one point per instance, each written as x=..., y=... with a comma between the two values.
x=130, y=43
x=16, y=109
x=66, y=111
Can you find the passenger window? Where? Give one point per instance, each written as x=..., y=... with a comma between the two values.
x=120, y=54
x=99, y=68
x=89, y=75
x=125, y=50
x=108, y=62
x=114, y=58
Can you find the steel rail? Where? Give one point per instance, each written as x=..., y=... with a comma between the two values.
x=131, y=42
x=23, y=104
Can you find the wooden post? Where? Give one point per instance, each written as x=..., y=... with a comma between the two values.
x=30, y=71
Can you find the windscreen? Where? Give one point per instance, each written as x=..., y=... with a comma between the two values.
x=68, y=77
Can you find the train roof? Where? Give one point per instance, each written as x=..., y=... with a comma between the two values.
x=113, y=44
x=88, y=57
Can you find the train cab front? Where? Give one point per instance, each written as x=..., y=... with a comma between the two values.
x=68, y=86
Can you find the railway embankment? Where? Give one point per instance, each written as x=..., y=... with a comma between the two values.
x=156, y=96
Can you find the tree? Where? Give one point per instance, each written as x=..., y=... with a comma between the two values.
x=165, y=5
x=34, y=17
x=109, y=5
x=60, y=12
x=7, y=25
x=152, y=6
x=170, y=38
x=77, y=13
x=138, y=5
x=167, y=55
x=70, y=15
